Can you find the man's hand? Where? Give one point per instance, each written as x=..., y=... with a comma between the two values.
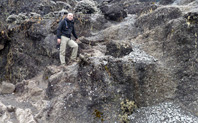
x=59, y=41
x=77, y=40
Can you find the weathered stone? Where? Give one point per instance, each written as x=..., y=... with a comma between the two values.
x=159, y=17
x=20, y=88
x=165, y=2
x=44, y=8
x=34, y=15
x=3, y=113
x=118, y=49
x=7, y=88
x=85, y=8
x=11, y=18
x=139, y=7
x=184, y=2
x=11, y=108
x=18, y=19
x=1, y=46
x=25, y=116
x=113, y=12
x=63, y=12
x=164, y=112
x=62, y=5
x=56, y=14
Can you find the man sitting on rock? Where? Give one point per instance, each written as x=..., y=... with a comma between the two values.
x=66, y=27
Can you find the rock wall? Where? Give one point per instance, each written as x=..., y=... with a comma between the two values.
x=135, y=56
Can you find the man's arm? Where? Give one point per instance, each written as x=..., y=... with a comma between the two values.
x=59, y=30
x=74, y=33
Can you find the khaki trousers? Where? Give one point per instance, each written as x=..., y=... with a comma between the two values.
x=64, y=42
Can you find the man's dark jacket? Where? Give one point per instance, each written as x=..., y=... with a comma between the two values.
x=65, y=28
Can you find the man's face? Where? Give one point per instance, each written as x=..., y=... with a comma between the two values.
x=70, y=16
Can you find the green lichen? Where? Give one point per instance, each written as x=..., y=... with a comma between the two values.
x=127, y=108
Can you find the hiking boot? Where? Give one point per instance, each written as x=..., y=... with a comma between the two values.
x=62, y=66
x=72, y=61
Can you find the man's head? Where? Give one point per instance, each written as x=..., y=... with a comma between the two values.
x=70, y=16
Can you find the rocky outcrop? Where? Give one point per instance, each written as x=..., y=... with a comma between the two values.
x=68, y=90
x=171, y=41
x=137, y=62
x=158, y=17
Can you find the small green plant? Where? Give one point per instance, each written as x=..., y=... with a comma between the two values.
x=191, y=19
x=9, y=64
x=146, y=12
x=98, y=114
x=106, y=68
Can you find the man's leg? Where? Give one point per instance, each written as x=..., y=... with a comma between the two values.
x=73, y=45
x=63, y=47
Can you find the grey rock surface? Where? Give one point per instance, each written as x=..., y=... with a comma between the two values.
x=7, y=88
x=85, y=8
x=153, y=79
x=118, y=49
x=168, y=112
x=113, y=12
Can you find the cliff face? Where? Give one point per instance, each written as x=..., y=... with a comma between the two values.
x=137, y=62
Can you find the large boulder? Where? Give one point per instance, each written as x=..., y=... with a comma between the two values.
x=7, y=88
x=85, y=8
x=113, y=12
